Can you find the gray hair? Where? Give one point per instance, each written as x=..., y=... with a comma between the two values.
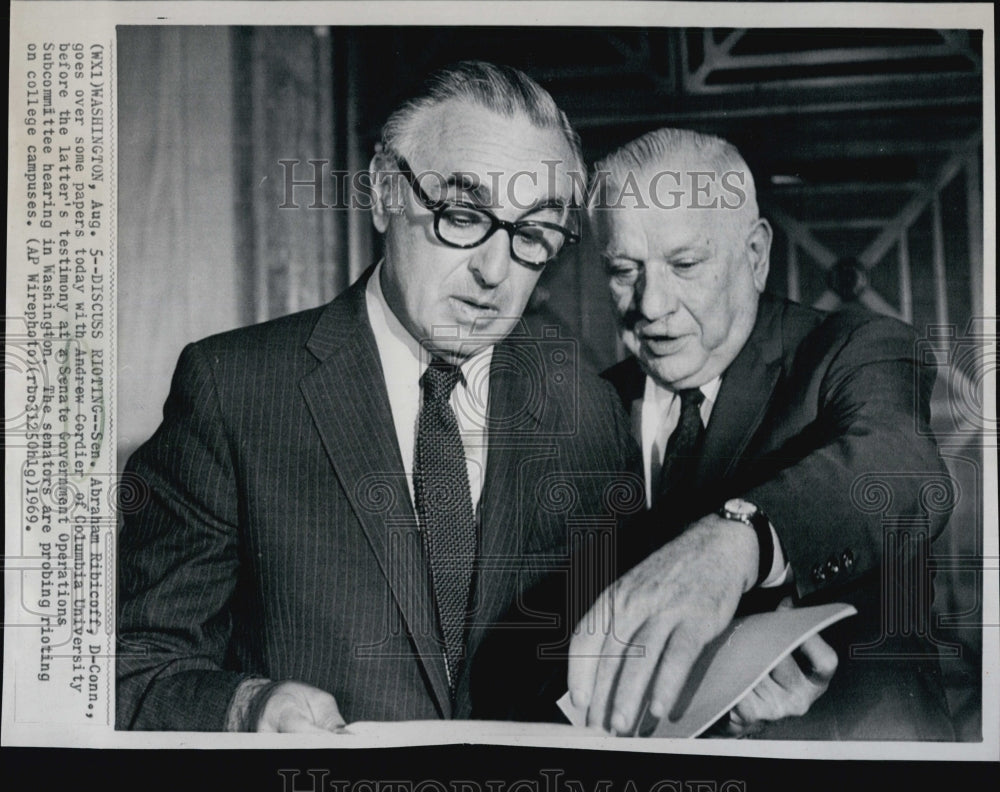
x=501, y=89
x=670, y=148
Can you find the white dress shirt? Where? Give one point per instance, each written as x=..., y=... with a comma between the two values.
x=661, y=410
x=404, y=361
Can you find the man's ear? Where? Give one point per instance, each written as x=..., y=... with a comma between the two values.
x=759, y=250
x=384, y=201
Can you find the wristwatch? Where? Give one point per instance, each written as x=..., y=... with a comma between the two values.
x=749, y=514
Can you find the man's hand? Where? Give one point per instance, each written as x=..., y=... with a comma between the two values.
x=789, y=690
x=650, y=626
x=298, y=707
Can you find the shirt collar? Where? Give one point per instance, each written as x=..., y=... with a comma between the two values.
x=661, y=396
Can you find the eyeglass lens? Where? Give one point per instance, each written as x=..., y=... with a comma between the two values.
x=463, y=226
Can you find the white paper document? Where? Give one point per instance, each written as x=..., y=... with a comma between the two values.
x=732, y=665
x=459, y=731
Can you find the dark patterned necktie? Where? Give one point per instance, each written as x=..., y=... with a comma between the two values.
x=444, y=506
x=684, y=444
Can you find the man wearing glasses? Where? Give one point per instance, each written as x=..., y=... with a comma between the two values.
x=346, y=500
x=367, y=511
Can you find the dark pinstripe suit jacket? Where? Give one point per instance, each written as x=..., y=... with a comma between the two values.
x=279, y=539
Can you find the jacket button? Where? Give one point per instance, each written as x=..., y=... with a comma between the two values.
x=847, y=560
x=832, y=567
x=819, y=574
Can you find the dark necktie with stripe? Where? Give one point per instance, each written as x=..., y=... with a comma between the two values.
x=684, y=445
x=444, y=507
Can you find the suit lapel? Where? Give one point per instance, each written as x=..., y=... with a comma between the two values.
x=630, y=382
x=743, y=398
x=513, y=419
x=347, y=398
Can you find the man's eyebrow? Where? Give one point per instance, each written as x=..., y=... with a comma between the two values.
x=694, y=247
x=471, y=187
x=479, y=192
x=617, y=254
x=549, y=203
x=681, y=250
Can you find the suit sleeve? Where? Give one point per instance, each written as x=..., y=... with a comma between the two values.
x=178, y=566
x=628, y=546
x=630, y=456
x=868, y=454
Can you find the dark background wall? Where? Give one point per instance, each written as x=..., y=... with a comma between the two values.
x=866, y=146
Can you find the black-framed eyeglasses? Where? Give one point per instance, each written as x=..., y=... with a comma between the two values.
x=461, y=224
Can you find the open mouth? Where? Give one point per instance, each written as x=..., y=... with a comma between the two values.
x=476, y=306
x=661, y=343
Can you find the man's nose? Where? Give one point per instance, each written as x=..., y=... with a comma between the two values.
x=491, y=261
x=656, y=294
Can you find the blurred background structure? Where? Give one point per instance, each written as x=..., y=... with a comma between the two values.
x=866, y=144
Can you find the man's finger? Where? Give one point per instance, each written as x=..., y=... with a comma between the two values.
x=613, y=653
x=285, y=720
x=820, y=660
x=788, y=674
x=764, y=703
x=734, y=725
x=785, y=692
x=326, y=714
x=748, y=711
x=585, y=650
x=297, y=723
x=637, y=673
x=297, y=707
x=682, y=649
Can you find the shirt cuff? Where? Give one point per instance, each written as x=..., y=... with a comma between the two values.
x=781, y=570
x=242, y=704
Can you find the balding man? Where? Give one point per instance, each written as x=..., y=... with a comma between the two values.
x=758, y=420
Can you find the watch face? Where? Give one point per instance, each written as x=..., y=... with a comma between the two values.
x=741, y=507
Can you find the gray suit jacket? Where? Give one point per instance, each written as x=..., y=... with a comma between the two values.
x=278, y=538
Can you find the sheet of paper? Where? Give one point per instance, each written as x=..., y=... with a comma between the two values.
x=459, y=731
x=731, y=665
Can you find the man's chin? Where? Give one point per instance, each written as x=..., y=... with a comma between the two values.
x=670, y=373
x=460, y=346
